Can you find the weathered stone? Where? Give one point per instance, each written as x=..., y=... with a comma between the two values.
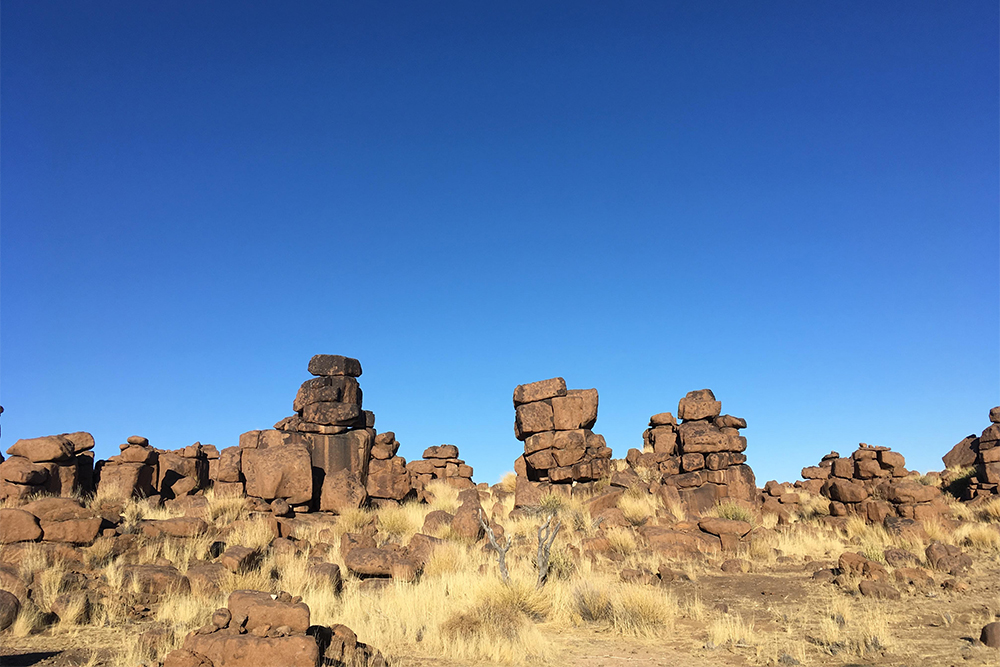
x=239, y=559
x=230, y=465
x=368, y=561
x=728, y=421
x=18, y=526
x=815, y=472
x=233, y=650
x=911, y=492
x=19, y=470
x=465, y=523
x=335, y=414
x=532, y=418
x=335, y=389
x=126, y=480
x=717, y=526
x=878, y=590
x=279, y=472
x=342, y=490
x=846, y=491
x=700, y=404
x=990, y=635
x=662, y=419
x=334, y=364
x=388, y=479
x=576, y=410
x=156, y=580
x=261, y=608
x=10, y=607
x=702, y=437
x=538, y=391
x=692, y=462
x=47, y=448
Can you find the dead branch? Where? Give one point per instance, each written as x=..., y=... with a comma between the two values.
x=546, y=535
x=501, y=551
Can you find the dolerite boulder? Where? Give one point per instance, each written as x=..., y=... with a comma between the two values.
x=64, y=520
x=555, y=425
x=329, y=423
x=60, y=465
x=283, y=471
x=983, y=453
x=388, y=476
x=132, y=473
x=182, y=472
x=257, y=629
x=701, y=457
x=872, y=483
x=440, y=463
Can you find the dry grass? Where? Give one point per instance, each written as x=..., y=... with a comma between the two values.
x=858, y=627
x=638, y=506
x=732, y=630
x=733, y=511
x=508, y=482
x=621, y=540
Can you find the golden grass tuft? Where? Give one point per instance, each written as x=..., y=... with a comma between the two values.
x=730, y=510
x=732, y=630
x=621, y=540
x=508, y=482
x=638, y=506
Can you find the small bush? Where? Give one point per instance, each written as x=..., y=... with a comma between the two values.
x=621, y=540
x=592, y=603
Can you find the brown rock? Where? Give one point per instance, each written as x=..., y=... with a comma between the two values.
x=239, y=558
x=19, y=470
x=466, y=523
x=990, y=634
x=334, y=364
x=331, y=413
x=371, y=562
x=388, y=479
x=576, y=410
x=692, y=462
x=845, y=491
x=156, y=579
x=728, y=421
x=342, y=490
x=532, y=418
x=333, y=389
x=10, y=607
x=815, y=472
x=18, y=526
x=843, y=468
x=717, y=526
x=911, y=492
x=176, y=527
x=963, y=454
x=878, y=590
x=703, y=438
x=184, y=658
x=441, y=452
x=662, y=419
x=47, y=448
x=279, y=472
x=538, y=391
x=228, y=650
x=699, y=404
x=262, y=609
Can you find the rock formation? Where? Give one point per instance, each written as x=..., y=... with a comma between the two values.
x=328, y=432
x=559, y=446
x=441, y=463
x=58, y=465
x=873, y=483
x=983, y=453
x=701, y=457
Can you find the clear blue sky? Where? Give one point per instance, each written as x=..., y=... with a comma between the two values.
x=792, y=203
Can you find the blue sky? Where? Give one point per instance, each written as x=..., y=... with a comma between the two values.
x=794, y=204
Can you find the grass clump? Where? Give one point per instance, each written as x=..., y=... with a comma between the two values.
x=638, y=506
x=733, y=511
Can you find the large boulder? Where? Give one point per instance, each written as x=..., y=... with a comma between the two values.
x=539, y=391
x=234, y=650
x=341, y=491
x=279, y=472
x=47, y=448
x=334, y=365
x=18, y=526
x=264, y=609
x=700, y=404
x=963, y=454
x=10, y=607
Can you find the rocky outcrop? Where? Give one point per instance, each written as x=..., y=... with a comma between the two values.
x=701, y=458
x=58, y=465
x=440, y=463
x=257, y=628
x=983, y=454
x=329, y=425
x=559, y=446
x=873, y=483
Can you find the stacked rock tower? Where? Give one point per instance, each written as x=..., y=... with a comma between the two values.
x=702, y=457
x=982, y=452
x=329, y=432
x=555, y=425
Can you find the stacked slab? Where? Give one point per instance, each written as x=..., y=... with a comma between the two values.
x=874, y=483
x=58, y=465
x=388, y=476
x=133, y=473
x=982, y=452
x=555, y=425
x=440, y=462
x=702, y=456
x=182, y=472
x=329, y=432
